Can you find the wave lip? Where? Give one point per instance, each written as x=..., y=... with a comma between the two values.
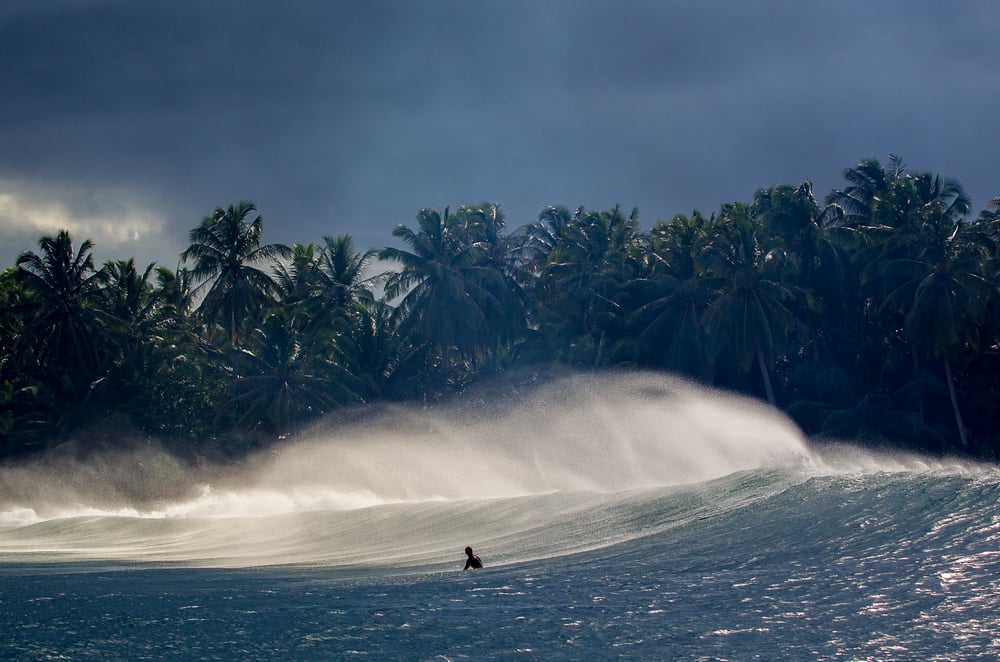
x=597, y=433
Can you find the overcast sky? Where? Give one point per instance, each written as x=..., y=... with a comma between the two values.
x=127, y=121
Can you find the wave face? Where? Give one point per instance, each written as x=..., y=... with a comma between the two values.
x=581, y=464
x=632, y=513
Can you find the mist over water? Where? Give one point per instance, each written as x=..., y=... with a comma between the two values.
x=575, y=464
x=583, y=433
x=631, y=513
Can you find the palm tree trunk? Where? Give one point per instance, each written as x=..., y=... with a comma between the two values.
x=916, y=376
x=599, y=356
x=762, y=364
x=445, y=367
x=954, y=405
x=234, y=377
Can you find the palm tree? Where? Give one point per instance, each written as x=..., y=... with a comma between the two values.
x=752, y=311
x=343, y=274
x=384, y=363
x=175, y=292
x=669, y=320
x=989, y=219
x=186, y=378
x=441, y=302
x=11, y=322
x=297, y=281
x=501, y=276
x=869, y=181
x=132, y=307
x=791, y=216
x=283, y=380
x=931, y=273
x=23, y=421
x=538, y=239
x=582, y=287
x=225, y=251
x=325, y=287
x=62, y=326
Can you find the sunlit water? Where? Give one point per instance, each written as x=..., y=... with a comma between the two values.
x=629, y=517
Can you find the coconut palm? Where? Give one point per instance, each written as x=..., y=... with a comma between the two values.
x=297, y=281
x=11, y=321
x=226, y=255
x=931, y=273
x=989, y=218
x=582, y=288
x=753, y=309
x=62, y=325
x=669, y=321
x=284, y=380
x=541, y=237
x=441, y=301
x=384, y=363
x=324, y=287
x=175, y=292
x=501, y=276
x=869, y=181
x=131, y=305
x=344, y=280
x=790, y=215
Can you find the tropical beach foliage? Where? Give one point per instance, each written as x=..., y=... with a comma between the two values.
x=873, y=315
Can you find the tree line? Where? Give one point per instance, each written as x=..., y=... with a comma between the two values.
x=872, y=316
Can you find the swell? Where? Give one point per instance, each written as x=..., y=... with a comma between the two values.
x=418, y=536
x=581, y=464
x=797, y=515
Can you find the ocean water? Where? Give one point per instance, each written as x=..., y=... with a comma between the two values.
x=620, y=517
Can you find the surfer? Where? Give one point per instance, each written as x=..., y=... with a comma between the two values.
x=473, y=561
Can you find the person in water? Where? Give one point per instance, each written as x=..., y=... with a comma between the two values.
x=473, y=561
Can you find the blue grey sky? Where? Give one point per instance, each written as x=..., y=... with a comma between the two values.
x=127, y=121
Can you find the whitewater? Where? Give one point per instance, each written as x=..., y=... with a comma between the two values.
x=623, y=516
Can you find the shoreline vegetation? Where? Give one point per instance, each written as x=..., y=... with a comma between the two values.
x=873, y=316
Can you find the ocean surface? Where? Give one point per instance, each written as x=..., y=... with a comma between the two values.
x=621, y=517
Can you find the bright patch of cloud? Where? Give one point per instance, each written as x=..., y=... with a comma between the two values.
x=118, y=226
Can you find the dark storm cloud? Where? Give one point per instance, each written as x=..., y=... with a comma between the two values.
x=347, y=117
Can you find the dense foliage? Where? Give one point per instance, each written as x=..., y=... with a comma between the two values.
x=873, y=316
